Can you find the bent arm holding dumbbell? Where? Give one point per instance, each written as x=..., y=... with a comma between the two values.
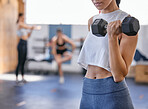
x=120, y=56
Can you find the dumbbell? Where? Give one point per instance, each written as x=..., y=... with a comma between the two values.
x=130, y=26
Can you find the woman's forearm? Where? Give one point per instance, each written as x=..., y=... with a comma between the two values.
x=18, y=39
x=73, y=47
x=54, y=50
x=31, y=29
x=117, y=63
x=29, y=34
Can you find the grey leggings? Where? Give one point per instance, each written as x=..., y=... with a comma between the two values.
x=105, y=94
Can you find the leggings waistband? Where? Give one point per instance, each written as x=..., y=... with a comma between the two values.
x=102, y=86
x=23, y=41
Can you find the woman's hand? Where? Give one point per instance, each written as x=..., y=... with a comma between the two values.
x=32, y=27
x=37, y=27
x=114, y=30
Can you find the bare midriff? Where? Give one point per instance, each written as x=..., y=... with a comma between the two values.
x=62, y=47
x=95, y=72
x=24, y=37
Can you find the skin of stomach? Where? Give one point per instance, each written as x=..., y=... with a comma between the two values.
x=95, y=72
x=62, y=48
x=24, y=37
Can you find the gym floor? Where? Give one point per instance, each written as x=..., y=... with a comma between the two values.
x=44, y=92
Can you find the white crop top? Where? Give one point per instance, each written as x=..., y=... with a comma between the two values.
x=22, y=32
x=95, y=50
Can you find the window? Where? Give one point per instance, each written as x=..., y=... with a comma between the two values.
x=76, y=11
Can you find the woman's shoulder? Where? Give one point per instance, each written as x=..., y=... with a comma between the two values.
x=54, y=38
x=22, y=26
x=18, y=25
x=65, y=37
x=92, y=18
x=90, y=21
x=124, y=12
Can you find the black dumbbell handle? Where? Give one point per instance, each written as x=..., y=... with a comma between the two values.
x=138, y=25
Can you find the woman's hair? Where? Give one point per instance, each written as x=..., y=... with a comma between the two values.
x=20, y=15
x=59, y=30
x=118, y=2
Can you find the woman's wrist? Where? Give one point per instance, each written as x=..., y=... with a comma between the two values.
x=112, y=38
x=32, y=27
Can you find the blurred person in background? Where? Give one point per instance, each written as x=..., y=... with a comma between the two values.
x=60, y=51
x=23, y=33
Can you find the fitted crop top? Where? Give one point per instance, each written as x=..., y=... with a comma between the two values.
x=95, y=50
x=60, y=45
x=22, y=32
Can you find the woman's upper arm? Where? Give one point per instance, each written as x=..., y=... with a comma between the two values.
x=22, y=25
x=90, y=21
x=127, y=48
x=54, y=42
x=54, y=45
x=68, y=40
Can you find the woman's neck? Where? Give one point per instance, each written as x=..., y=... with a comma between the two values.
x=20, y=21
x=111, y=7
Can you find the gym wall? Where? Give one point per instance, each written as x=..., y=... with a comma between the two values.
x=36, y=47
x=8, y=39
x=140, y=62
x=141, y=56
x=77, y=31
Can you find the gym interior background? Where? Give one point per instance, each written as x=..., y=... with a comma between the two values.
x=43, y=90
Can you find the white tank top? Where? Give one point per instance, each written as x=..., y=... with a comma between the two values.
x=95, y=50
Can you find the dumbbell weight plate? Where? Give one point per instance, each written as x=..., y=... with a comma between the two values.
x=130, y=26
x=99, y=27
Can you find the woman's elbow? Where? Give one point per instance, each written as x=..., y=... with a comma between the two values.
x=74, y=46
x=119, y=75
x=119, y=78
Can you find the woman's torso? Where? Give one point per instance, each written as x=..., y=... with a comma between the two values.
x=95, y=72
x=22, y=33
x=94, y=55
x=60, y=43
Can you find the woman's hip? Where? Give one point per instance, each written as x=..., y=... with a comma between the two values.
x=22, y=45
x=102, y=86
x=105, y=94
